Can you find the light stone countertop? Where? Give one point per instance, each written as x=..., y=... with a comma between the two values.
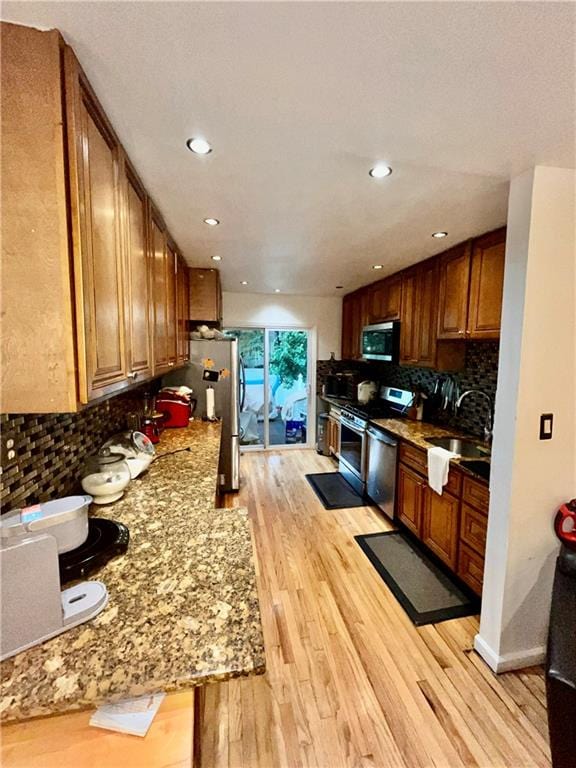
x=183, y=608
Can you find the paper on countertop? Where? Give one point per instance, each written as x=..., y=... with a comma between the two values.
x=133, y=716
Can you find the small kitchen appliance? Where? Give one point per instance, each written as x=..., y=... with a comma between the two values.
x=106, y=539
x=339, y=385
x=381, y=342
x=176, y=404
x=65, y=519
x=33, y=607
x=367, y=391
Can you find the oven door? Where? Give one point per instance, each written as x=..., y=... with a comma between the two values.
x=352, y=453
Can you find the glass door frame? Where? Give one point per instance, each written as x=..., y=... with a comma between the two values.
x=311, y=383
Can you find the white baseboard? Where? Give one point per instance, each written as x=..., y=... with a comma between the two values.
x=509, y=661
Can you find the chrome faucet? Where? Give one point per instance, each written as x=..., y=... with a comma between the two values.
x=488, y=422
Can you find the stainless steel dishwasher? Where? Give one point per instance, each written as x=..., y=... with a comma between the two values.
x=381, y=480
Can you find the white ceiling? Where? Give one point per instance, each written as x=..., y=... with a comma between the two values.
x=301, y=99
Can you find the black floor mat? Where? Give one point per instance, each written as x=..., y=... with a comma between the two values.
x=427, y=594
x=334, y=491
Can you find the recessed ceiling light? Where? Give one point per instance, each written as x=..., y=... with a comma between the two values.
x=199, y=146
x=380, y=171
x=378, y=266
x=216, y=258
x=244, y=282
x=440, y=234
x=212, y=222
x=276, y=290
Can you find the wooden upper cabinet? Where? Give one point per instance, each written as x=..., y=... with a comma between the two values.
x=171, y=304
x=454, y=267
x=76, y=217
x=409, y=330
x=159, y=291
x=138, y=321
x=427, y=312
x=486, y=285
x=392, y=299
x=205, y=296
x=182, y=301
x=384, y=298
x=354, y=317
x=94, y=157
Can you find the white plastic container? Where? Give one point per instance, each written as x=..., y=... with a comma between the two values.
x=66, y=519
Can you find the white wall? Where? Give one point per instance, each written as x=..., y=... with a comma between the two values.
x=260, y=309
x=537, y=374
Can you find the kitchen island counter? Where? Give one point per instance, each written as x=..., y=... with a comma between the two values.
x=183, y=608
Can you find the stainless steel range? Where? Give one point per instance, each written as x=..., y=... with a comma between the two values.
x=354, y=422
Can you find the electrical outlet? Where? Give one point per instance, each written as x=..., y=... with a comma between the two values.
x=9, y=449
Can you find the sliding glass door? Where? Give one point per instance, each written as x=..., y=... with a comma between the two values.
x=275, y=386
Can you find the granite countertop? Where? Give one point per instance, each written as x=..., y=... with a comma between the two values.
x=183, y=606
x=414, y=432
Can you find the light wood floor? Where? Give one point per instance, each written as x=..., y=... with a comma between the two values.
x=350, y=681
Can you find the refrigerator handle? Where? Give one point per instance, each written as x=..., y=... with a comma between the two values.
x=242, y=383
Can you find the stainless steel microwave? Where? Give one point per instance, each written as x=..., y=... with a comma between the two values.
x=381, y=342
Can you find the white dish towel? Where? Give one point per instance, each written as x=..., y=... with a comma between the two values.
x=438, y=467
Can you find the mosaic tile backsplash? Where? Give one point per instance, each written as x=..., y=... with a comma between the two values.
x=480, y=372
x=52, y=448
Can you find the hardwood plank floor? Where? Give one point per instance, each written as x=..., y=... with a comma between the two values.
x=350, y=681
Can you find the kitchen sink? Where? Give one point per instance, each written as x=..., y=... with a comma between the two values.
x=466, y=448
x=481, y=468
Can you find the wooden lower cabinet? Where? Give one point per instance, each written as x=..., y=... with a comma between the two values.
x=409, y=499
x=471, y=568
x=452, y=525
x=440, y=525
x=334, y=435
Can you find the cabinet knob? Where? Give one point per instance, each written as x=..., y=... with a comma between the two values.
x=133, y=375
x=171, y=364
x=461, y=333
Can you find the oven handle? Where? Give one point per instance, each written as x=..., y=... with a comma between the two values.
x=358, y=430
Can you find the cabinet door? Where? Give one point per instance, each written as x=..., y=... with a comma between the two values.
x=440, y=525
x=205, y=295
x=354, y=315
x=182, y=303
x=159, y=293
x=453, y=294
x=346, y=345
x=171, y=304
x=138, y=337
x=94, y=158
x=409, y=319
x=392, y=296
x=471, y=568
x=409, y=504
x=427, y=308
x=486, y=286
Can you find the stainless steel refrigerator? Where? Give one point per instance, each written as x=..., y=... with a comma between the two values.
x=224, y=354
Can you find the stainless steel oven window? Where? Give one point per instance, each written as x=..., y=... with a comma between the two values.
x=352, y=447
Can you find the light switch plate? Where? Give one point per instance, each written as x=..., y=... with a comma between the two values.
x=546, y=422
